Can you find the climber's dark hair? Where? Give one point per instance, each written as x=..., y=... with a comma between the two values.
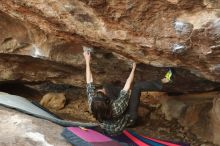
x=101, y=107
x=112, y=91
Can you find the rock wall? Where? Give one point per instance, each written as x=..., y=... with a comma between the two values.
x=198, y=113
x=161, y=33
x=41, y=41
x=20, y=129
x=154, y=33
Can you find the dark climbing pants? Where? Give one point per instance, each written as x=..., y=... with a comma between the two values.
x=136, y=93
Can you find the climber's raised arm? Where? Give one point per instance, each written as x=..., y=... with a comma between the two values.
x=87, y=57
x=130, y=78
x=90, y=88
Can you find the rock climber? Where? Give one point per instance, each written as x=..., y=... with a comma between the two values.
x=112, y=106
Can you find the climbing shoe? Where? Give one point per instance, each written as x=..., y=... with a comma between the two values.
x=168, y=75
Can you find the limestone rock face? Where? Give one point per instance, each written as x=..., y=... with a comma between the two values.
x=180, y=34
x=173, y=108
x=41, y=41
x=200, y=114
x=215, y=115
x=19, y=129
x=53, y=100
x=161, y=33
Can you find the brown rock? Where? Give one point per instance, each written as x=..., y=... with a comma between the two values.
x=143, y=112
x=42, y=41
x=201, y=116
x=215, y=115
x=53, y=100
x=18, y=129
x=155, y=32
x=173, y=1
x=173, y=108
x=211, y=4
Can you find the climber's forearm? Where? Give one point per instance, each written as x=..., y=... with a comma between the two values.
x=89, y=78
x=129, y=80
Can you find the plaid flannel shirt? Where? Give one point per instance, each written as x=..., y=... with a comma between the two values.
x=119, y=106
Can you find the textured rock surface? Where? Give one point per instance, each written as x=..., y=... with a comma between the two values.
x=53, y=101
x=173, y=109
x=41, y=41
x=18, y=129
x=160, y=33
x=200, y=114
x=215, y=116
